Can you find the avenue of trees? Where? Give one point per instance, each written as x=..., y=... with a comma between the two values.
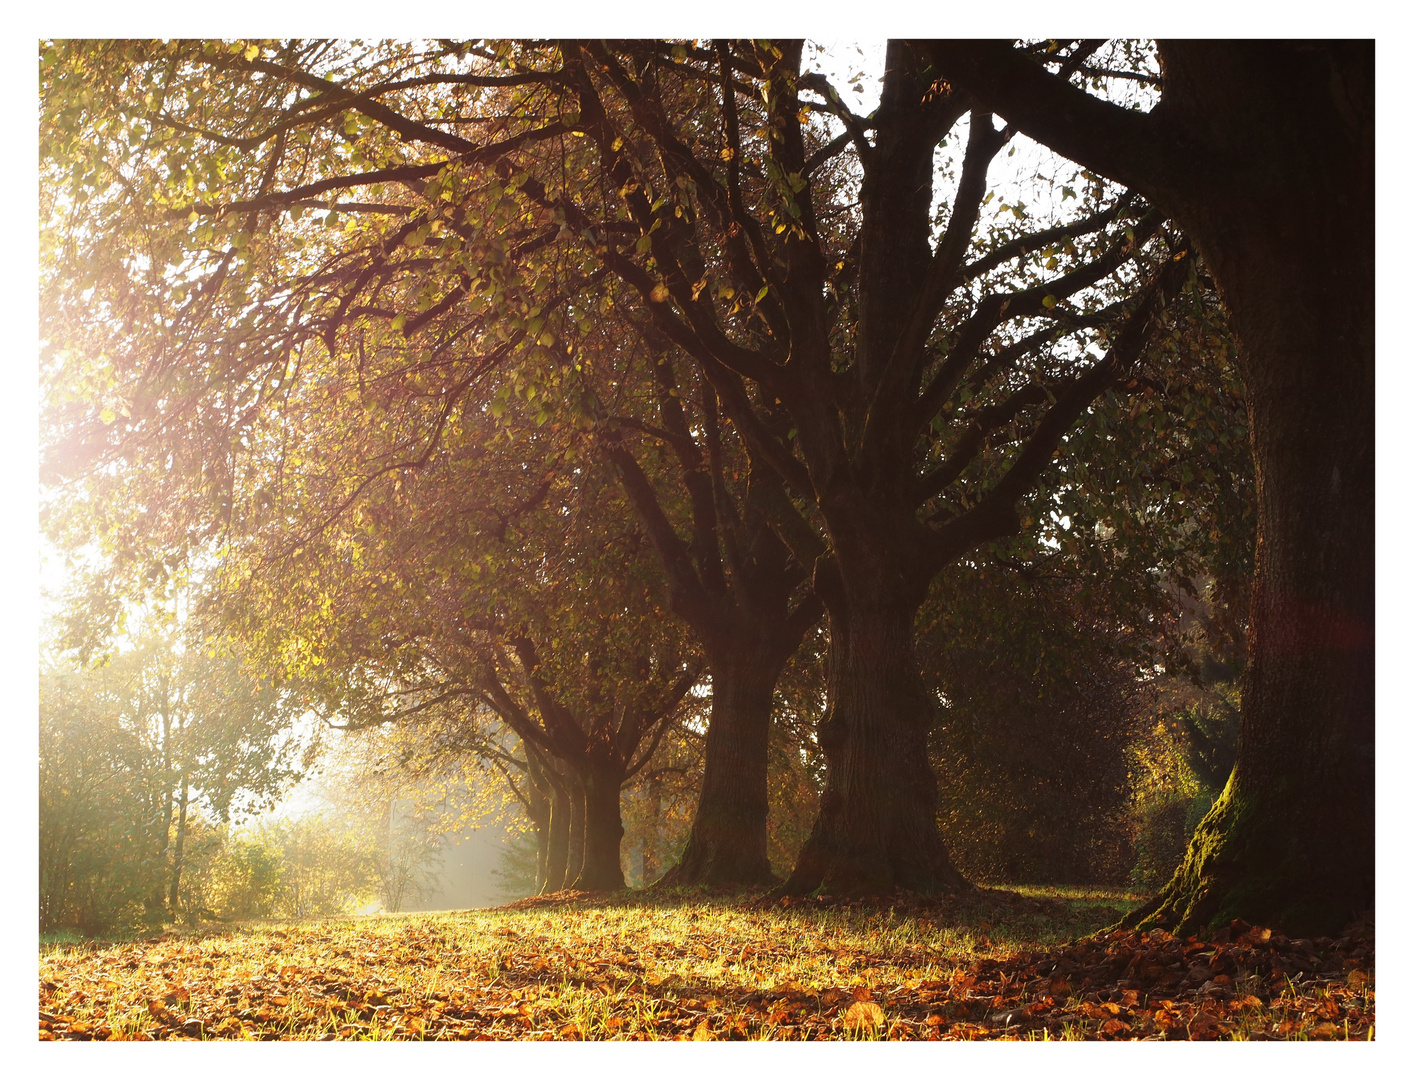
x=635, y=417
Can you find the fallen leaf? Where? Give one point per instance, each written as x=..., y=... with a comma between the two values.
x=863, y=1014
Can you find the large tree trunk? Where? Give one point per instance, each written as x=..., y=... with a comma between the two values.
x=541, y=801
x=603, y=831
x=1291, y=840
x=557, y=852
x=1264, y=152
x=877, y=828
x=727, y=844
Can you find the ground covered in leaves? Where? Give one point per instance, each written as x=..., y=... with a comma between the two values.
x=990, y=965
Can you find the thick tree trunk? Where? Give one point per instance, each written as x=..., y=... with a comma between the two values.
x=1264, y=152
x=542, y=852
x=540, y=795
x=1290, y=239
x=877, y=828
x=1291, y=841
x=727, y=844
x=603, y=831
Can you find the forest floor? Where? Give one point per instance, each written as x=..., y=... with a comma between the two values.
x=994, y=964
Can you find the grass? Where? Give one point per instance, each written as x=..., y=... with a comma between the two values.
x=673, y=966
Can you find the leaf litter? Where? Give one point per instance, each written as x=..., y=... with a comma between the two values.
x=580, y=966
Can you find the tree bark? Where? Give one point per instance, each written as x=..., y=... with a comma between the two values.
x=574, y=848
x=1264, y=152
x=877, y=827
x=541, y=806
x=727, y=844
x=603, y=830
x=1291, y=840
x=557, y=852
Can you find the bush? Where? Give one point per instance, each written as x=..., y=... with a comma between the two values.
x=246, y=878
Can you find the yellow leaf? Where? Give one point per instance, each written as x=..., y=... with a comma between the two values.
x=252, y=51
x=703, y=1033
x=864, y=1014
x=659, y=293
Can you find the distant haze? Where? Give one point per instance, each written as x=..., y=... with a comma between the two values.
x=466, y=880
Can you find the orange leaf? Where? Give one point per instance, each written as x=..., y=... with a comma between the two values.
x=864, y=1014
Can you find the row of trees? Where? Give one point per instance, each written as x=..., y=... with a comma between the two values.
x=459, y=362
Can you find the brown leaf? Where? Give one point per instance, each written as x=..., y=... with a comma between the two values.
x=864, y=1014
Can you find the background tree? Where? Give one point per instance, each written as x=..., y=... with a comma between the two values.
x=1265, y=151
x=96, y=863
x=146, y=740
x=738, y=587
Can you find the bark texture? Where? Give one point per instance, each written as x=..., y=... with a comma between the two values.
x=877, y=826
x=727, y=844
x=600, y=870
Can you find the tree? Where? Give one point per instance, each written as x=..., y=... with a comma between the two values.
x=1265, y=152
x=906, y=377
x=827, y=371
x=739, y=588
x=475, y=589
x=182, y=730
x=96, y=862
